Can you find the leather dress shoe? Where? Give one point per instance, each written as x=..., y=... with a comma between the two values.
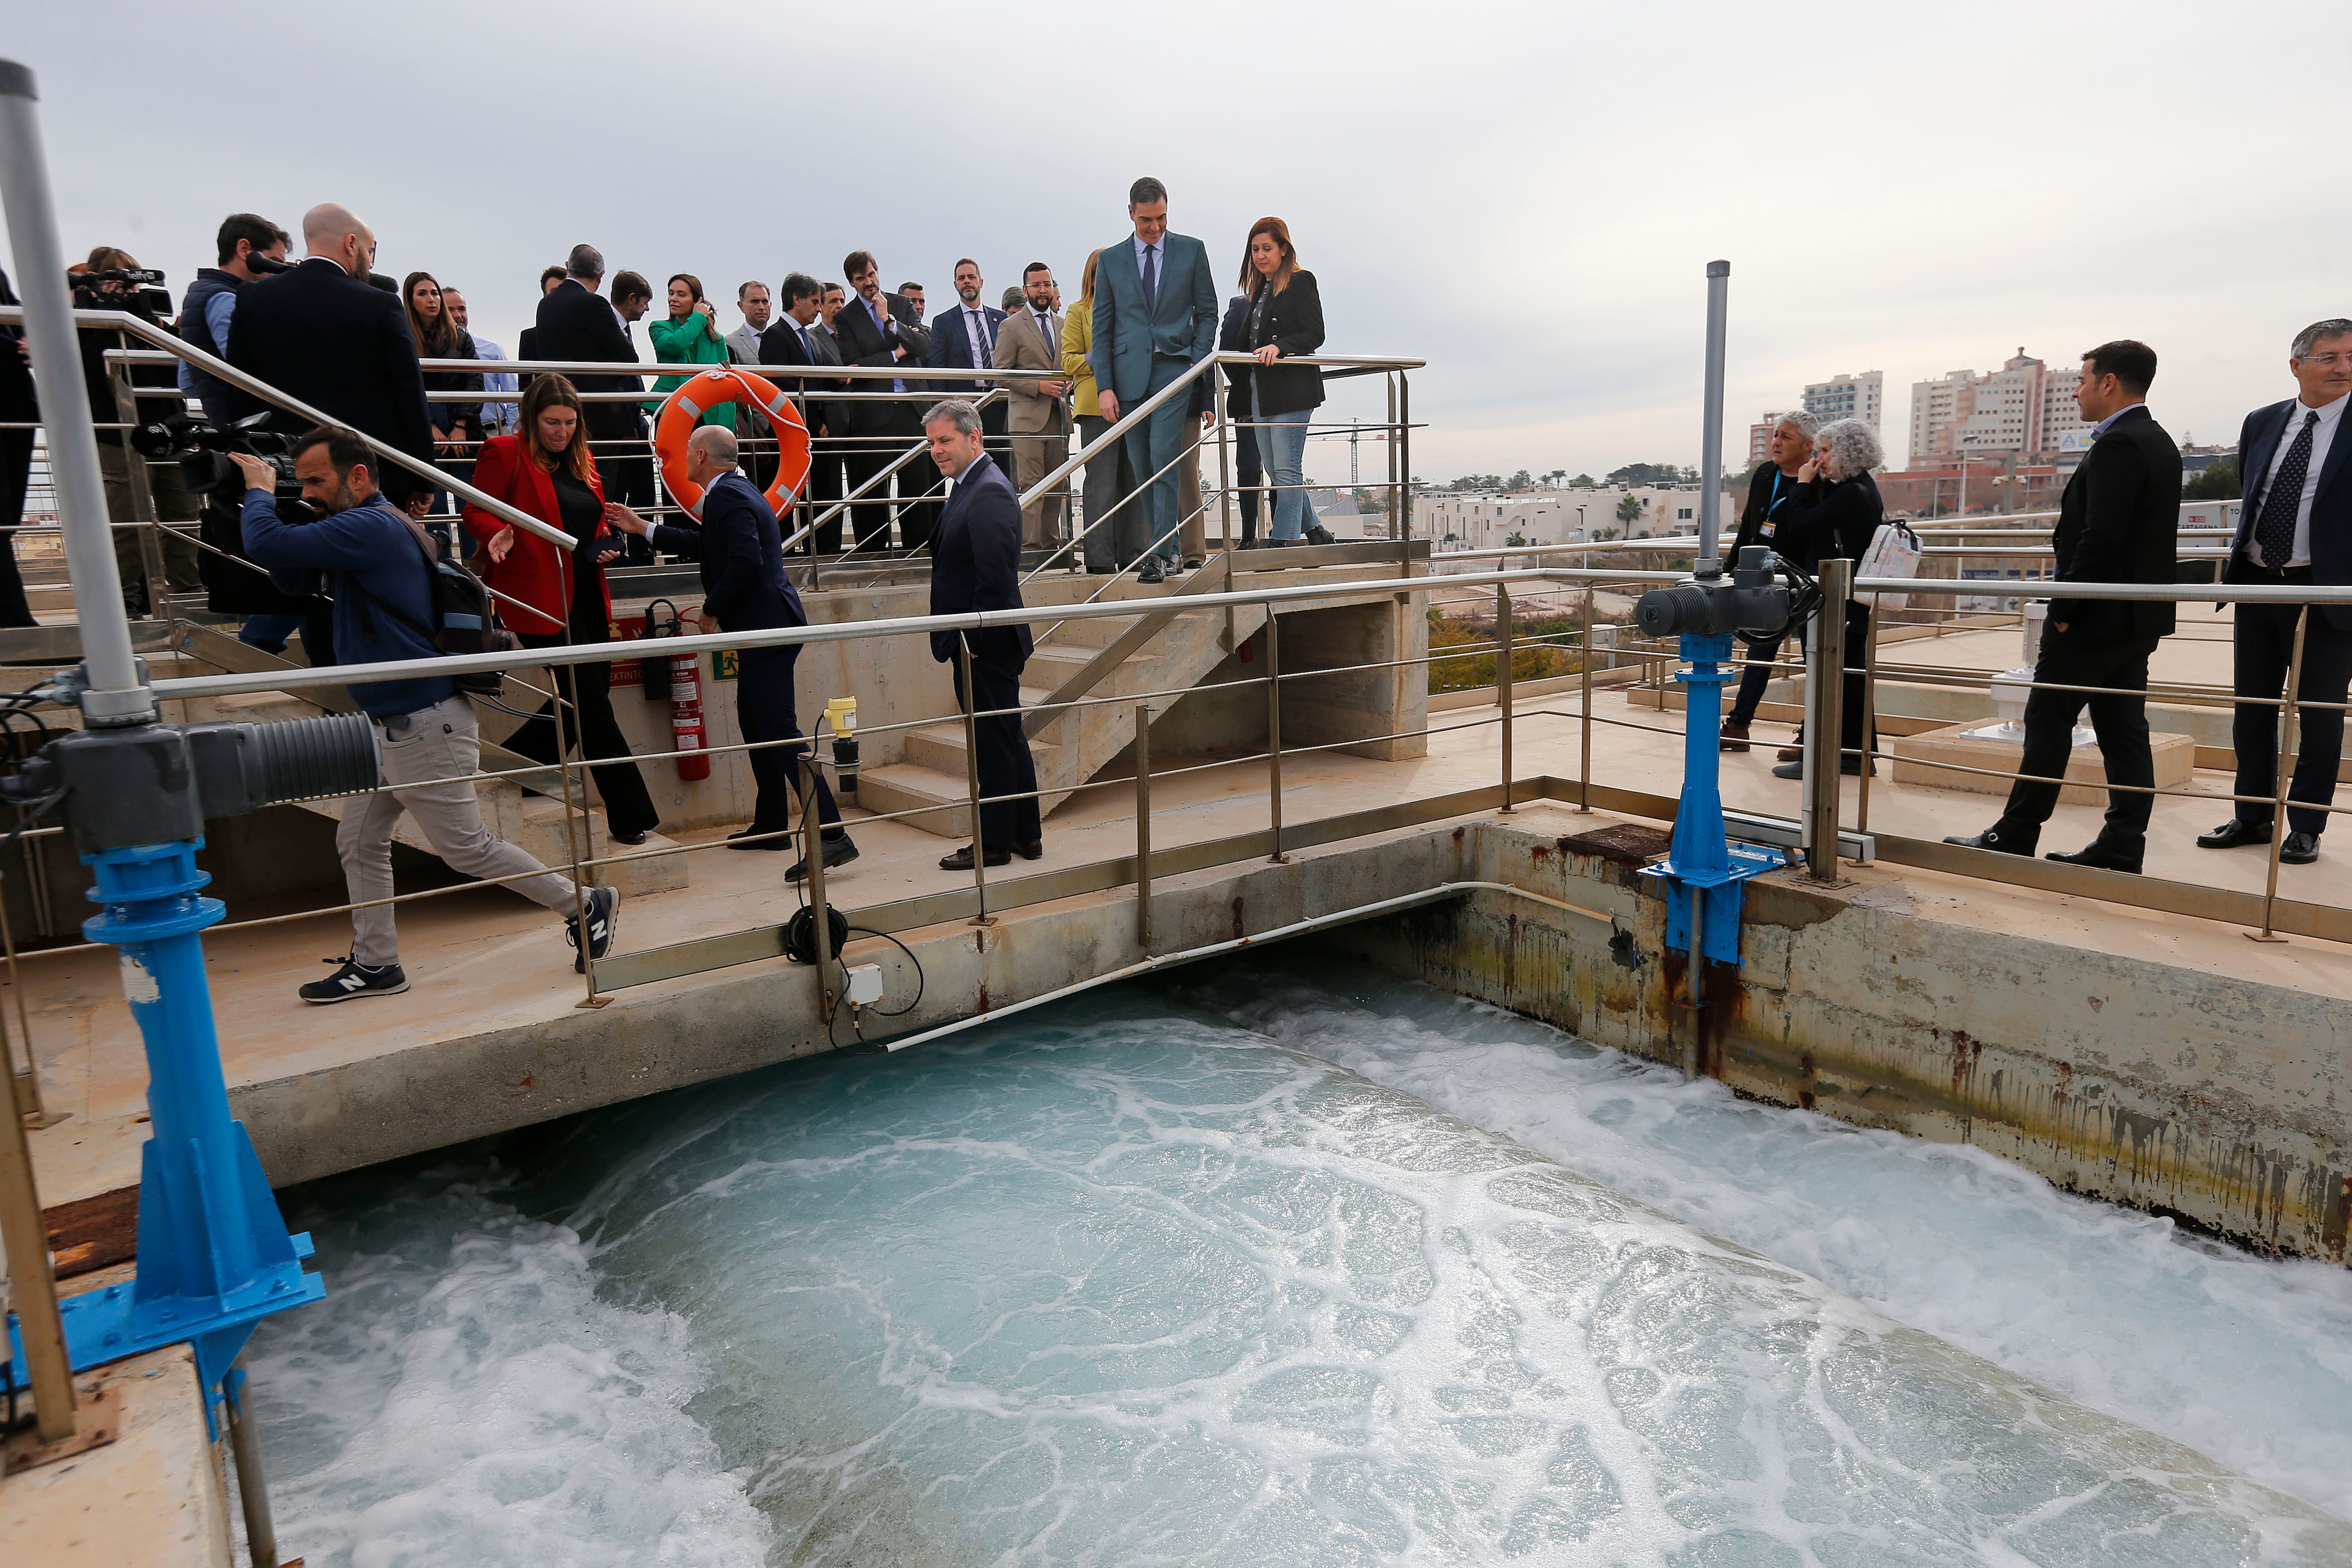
x=838, y=852
x=1032, y=850
x=778, y=839
x=2233, y=833
x=1734, y=737
x=1793, y=754
x=962, y=859
x=2102, y=856
x=2300, y=849
x=1153, y=571
x=1993, y=838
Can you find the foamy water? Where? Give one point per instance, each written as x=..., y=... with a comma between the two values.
x=1126, y=1282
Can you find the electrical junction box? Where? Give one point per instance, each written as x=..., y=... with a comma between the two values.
x=865, y=984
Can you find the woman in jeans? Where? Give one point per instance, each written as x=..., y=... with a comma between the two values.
x=1286, y=320
x=546, y=469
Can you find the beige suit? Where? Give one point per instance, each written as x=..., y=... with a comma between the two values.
x=1039, y=426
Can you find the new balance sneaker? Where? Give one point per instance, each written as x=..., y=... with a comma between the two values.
x=603, y=918
x=356, y=979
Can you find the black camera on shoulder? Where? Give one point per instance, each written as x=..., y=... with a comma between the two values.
x=137, y=290
x=202, y=449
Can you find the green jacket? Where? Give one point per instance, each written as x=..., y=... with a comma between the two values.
x=695, y=340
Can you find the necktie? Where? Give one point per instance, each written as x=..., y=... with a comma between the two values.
x=809, y=343
x=1150, y=277
x=1053, y=338
x=2275, y=530
x=980, y=334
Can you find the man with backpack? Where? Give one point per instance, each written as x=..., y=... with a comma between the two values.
x=381, y=570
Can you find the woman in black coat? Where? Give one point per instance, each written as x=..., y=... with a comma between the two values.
x=1279, y=400
x=1834, y=515
x=1771, y=497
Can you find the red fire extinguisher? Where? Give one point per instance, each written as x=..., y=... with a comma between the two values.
x=687, y=737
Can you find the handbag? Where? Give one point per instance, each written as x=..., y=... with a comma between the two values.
x=1892, y=552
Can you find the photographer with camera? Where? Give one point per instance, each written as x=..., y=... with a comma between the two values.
x=112, y=280
x=319, y=334
x=380, y=568
x=19, y=412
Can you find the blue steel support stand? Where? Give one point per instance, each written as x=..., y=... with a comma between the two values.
x=214, y=1254
x=1702, y=869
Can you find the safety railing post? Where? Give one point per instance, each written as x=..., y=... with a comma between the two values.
x=2289, y=714
x=1503, y=651
x=812, y=859
x=1869, y=724
x=152, y=569
x=1143, y=828
x=25, y=1096
x=972, y=774
x=32, y=1288
x=1274, y=730
x=1824, y=705
x=1584, y=711
x=562, y=686
x=1400, y=468
x=252, y=1485
x=1225, y=466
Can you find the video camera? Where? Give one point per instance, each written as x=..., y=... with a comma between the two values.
x=139, y=290
x=202, y=449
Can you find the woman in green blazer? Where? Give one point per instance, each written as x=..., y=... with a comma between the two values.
x=690, y=336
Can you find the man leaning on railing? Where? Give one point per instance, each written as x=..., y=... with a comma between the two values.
x=2294, y=527
x=377, y=560
x=2119, y=522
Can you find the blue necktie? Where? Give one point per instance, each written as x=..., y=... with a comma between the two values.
x=1150, y=277
x=809, y=343
x=2275, y=530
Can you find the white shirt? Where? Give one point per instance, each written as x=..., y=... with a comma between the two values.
x=2322, y=435
x=975, y=332
x=1044, y=319
x=1157, y=246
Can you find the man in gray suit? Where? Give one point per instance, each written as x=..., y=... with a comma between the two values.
x=1155, y=317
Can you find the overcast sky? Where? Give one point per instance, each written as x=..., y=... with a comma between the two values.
x=1524, y=194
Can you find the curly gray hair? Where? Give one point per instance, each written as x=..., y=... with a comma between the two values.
x=1854, y=448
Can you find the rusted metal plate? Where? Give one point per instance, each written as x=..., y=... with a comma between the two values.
x=98, y=1421
x=93, y=1233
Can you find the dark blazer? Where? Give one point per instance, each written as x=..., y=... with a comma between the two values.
x=2119, y=522
x=780, y=347
x=976, y=564
x=323, y=337
x=1293, y=323
x=2331, y=506
x=16, y=400
x=1764, y=505
x=741, y=554
x=576, y=323
x=1233, y=335
x=1179, y=324
x=953, y=348
x=1826, y=522
x=526, y=344
x=835, y=413
x=862, y=342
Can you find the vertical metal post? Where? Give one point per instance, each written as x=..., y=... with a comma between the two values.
x=2289, y=713
x=252, y=1486
x=972, y=773
x=1401, y=469
x=116, y=695
x=32, y=1288
x=813, y=857
x=561, y=688
x=1143, y=828
x=1710, y=449
x=1274, y=730
x=1869, y=721
x=1584, y=715
x=1824, y=703
x=142, y=495
x=1225, y=466
x=1503, y=653
x=24, y=1088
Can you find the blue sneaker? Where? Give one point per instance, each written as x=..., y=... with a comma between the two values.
x=355, y=980
x=603, y=918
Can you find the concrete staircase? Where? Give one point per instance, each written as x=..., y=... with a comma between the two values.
x=531, y=822
x=1168, y=650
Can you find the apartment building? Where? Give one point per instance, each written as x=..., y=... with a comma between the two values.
x=2026, y=409
x=1843, y=396
x=1456, y=520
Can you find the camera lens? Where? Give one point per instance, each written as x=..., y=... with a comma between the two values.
x=1679, y=611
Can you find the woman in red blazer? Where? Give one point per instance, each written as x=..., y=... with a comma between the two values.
x=546, y=469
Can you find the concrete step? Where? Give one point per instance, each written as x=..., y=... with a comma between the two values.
x=939, y=748
x=908, y=786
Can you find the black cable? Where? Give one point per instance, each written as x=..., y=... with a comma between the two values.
x=920, y=981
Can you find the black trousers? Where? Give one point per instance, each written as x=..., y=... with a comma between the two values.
x=628, y=474
x=1108, y=479
x=764, y=710
x=628, y=807
x=2264, y=644
x=2120, y=719
x=1249, y=474
x=16, y=470
x=1752, y=682
x=1755, y=678
x=825, y=489
x=1006, y=766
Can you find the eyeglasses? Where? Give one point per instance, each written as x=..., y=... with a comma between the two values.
x=2329, y=359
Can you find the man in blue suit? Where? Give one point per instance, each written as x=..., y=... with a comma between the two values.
x=2294, y=527
x=976, y=565
x=963, y=337
x=1155, y=317
x=744, y=588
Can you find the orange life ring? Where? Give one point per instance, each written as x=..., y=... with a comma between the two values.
x=701, y=393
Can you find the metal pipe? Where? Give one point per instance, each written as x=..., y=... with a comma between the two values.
x=1503, y=682
x=2288, y=715
x=252, y=1486
x=1824, y=733
x=1584, y=714
x=1143, y=827
x=972, y=773
x=1710, y=448
x=1297, y=928
x=812, y=858
x=32, y=1288
x=116, y=695
x=1274, y=731
x=1869, y=721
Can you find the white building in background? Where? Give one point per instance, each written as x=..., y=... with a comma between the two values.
x=1455, y=521
x=1843, y=396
